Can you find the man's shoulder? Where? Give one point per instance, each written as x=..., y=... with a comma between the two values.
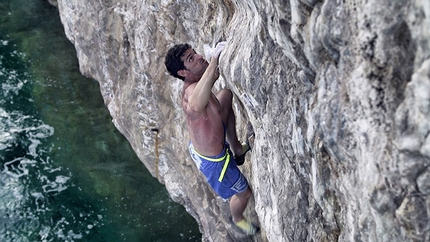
x=188, y=88
x=189, y=84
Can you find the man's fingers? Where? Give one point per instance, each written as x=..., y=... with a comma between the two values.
x=219, y=48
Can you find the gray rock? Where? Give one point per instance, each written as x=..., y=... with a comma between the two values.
x=337, y=93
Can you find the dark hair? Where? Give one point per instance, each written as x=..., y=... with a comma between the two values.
x=173, y=60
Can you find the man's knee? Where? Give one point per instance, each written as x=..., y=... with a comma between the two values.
x=225, y=94
x=225, y=98
x=245, y=194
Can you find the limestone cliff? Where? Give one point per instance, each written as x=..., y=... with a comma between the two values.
x=337, y=93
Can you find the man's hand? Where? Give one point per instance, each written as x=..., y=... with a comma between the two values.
x=213, y=52
x=218, y=49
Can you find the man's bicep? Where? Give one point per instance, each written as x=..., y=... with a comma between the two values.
x=192, y=104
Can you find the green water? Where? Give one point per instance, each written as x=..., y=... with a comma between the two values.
x=66, y=173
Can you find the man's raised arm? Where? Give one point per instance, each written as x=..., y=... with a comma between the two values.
x=199, y=98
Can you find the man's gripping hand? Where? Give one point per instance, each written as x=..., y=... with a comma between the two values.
x=218, y=49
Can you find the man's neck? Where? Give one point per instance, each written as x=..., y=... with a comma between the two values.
x=192, y=78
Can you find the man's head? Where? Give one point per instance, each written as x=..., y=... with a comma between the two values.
x=182, y=61
x=173, y=60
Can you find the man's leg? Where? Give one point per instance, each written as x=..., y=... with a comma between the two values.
x=225, y=98
x=238, y=204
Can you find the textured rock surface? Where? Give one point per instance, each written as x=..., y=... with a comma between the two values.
x=337, y=92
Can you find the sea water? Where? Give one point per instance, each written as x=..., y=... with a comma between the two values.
x=66, y=173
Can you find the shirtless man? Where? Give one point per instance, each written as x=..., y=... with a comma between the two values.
x=214, y=145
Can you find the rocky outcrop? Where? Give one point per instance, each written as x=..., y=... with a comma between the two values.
x=337, y=93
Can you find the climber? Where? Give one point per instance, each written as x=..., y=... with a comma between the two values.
x=214, y=145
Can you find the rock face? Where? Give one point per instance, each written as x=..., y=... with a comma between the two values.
x=337, y=93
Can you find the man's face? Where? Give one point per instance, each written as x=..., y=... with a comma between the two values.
x=194, y=63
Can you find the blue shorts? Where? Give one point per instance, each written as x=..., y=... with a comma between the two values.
x=220, y=171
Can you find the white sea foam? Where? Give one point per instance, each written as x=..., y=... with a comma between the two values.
x=15, y=168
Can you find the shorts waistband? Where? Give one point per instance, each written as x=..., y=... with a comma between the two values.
x=216, y=158
x=223, y=156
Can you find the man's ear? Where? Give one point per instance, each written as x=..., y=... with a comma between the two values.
x=183, y=73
